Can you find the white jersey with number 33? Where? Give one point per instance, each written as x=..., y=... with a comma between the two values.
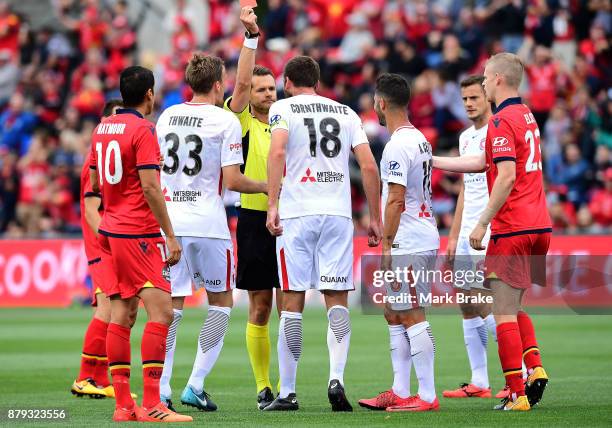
x=407, y=161
x=197, y=141
x=322, y=133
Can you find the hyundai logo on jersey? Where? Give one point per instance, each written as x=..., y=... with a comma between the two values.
x=393, y=165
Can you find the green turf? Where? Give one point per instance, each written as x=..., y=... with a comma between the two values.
x=40, y=349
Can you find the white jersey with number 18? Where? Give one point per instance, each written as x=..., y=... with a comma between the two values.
x=406, y=160
x=322, y=133
x=197, y=141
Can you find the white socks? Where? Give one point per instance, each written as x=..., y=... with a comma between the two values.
x=210, y=343
x=338, y=340
x=164, y=382
x=422, y=350
x=489, y=321
x=476, y=338
x=400, y=360
x=289, y=349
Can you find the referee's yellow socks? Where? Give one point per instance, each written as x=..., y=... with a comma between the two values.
x=258, y=346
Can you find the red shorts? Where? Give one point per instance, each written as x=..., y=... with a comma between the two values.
x=103, y=277
x=518, y=260
x=138, y=263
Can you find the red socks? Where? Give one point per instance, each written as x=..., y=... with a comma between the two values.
x=510, y=355
x=153, y=352
x=94, y=349
x=531, y=352
x=118, y=350
x=101, y=373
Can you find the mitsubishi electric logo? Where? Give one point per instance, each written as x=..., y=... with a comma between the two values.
x=308, y=177
x=322, y=177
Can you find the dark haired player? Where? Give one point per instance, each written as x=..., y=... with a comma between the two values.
x=312, y=137
x=410, y=240
x=125, y=167
x=93, y=377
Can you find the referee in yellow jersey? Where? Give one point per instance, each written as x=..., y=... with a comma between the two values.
x=254, y=93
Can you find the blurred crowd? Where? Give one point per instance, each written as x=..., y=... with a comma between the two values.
x=54, y=82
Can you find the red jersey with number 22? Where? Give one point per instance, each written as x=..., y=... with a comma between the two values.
x=513, y=135
x=121, y=145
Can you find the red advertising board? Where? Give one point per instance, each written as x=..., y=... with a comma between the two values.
x=54, y=272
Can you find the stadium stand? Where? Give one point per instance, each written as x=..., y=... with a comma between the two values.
x=54, y=80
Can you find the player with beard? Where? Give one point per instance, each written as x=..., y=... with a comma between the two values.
x=257, y=270
x=312, y=137
x=410, y=240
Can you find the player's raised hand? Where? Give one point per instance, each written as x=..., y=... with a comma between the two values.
x=374, y=233
x=477, y=236
x=249, y=20
x=174, y=250
x=273, y=222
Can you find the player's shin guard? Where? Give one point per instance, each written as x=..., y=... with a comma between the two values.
x=289, y=350
x=401, y=360
x=476, y=338
x=510, y=356
x=489, y=321
x=94, y=349
x=210, y=343
x=153, y=351
x=164, y=384
x=119, y=357
x=423, y=349
x=258, y=347
x=338, y=341
x=531, y=352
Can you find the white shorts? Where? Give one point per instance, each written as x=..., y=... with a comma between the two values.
x=207, y=262
x=316, y=252
x=416, y=292
x=469, y=259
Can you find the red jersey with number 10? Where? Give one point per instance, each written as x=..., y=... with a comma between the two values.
x=121, y=145
x=513, y=135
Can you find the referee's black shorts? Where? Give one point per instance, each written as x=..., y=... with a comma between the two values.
x=257, y=267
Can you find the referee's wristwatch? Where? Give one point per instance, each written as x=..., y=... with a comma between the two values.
x=249, y=35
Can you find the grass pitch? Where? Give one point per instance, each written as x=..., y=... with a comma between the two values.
x=40, y=351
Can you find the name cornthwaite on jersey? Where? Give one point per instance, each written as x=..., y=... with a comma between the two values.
x=182, y=195
x=322, y=177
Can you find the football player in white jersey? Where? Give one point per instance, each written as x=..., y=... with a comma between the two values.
x=202, y=147
x=410, y=241
x=312, y=137
x=473, y=197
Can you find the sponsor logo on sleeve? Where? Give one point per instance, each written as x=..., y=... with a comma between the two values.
x=277, y=121
x=393, y=169
x=500, y=145
x=499, y=141
x=235, y=147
